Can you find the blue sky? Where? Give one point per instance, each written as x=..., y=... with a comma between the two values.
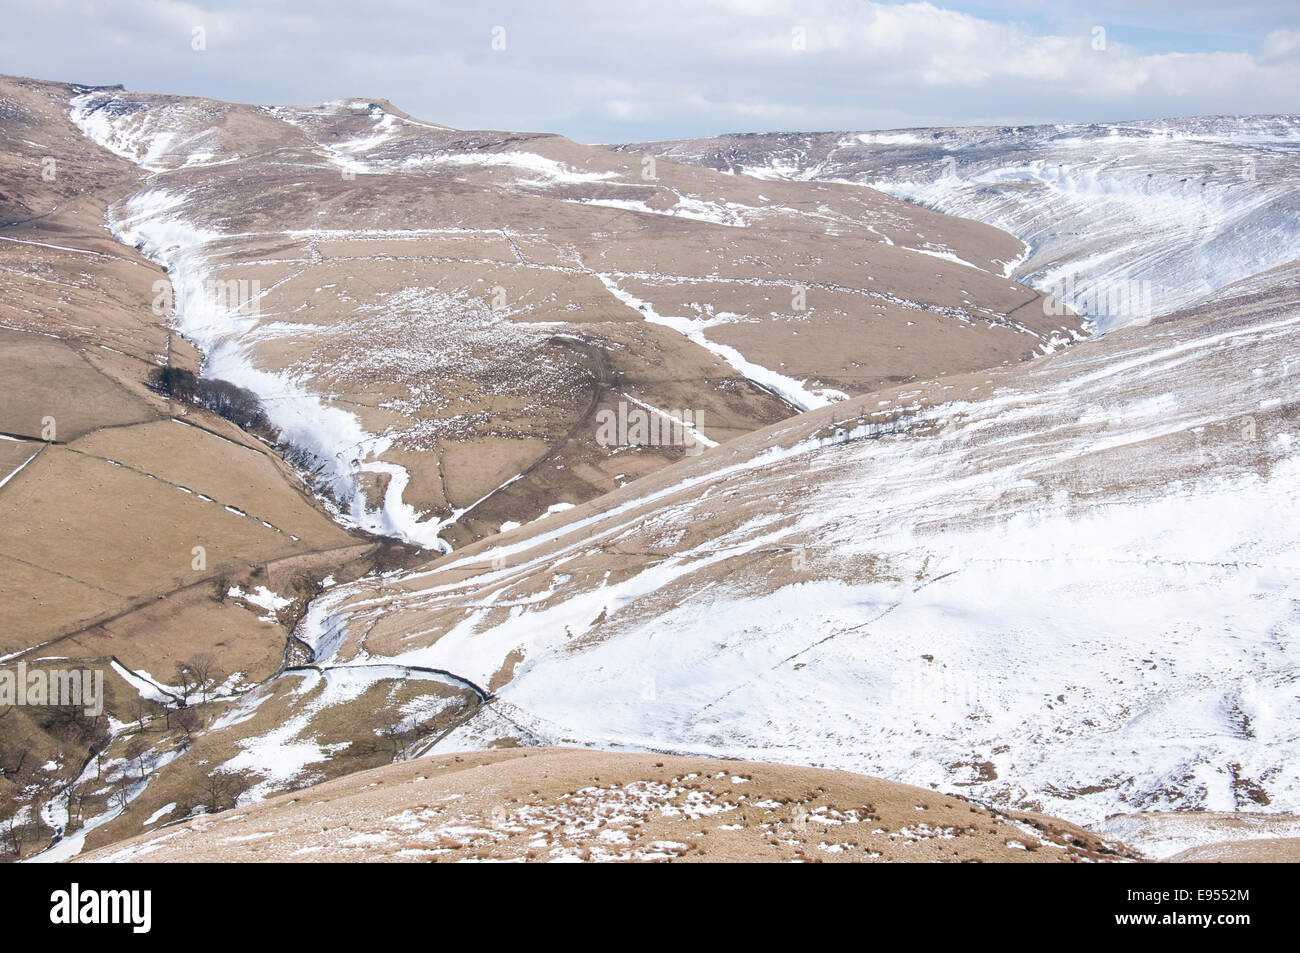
x=647, y=69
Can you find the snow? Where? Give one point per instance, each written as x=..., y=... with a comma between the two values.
x=552, y=171
x=892, y=139
x=1184, y=207
x=320, y=629
x=1163, y=836
x=696, y=437
x=18, y=469
x=79, y=251
x=159, y=814
x=1186, y=213
x=725, y=213
x=1088, y=581
x=282, y=755
x=128, y=141
x=263, y=598
x=349, y=155
x=154, y=134
x=331, y=435
x=946, y=254
x=144, y=686
x=72, y=844
x=794, y=392
x=162, y=223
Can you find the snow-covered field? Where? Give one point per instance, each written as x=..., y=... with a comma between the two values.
x=1079, y=595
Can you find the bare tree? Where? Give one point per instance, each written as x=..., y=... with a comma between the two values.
x=223, y=790
x=224, y=582
x=185, y=682
x=12, y=835
x=138, y=751
x=394, y=730
x=63, y=784
x=121, y=797
x=76, y=801
x=203, y=668
x=307, y=585
x=188, y=720
x=14, y=759
x=139, y=707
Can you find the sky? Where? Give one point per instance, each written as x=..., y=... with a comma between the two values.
x=636, y=70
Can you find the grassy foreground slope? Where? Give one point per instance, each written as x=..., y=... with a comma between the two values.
x=565, y=804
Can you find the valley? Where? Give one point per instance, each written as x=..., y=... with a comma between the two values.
x=954, y=522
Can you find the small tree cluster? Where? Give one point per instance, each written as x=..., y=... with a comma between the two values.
x=199, y=673
x=71, y=724
x=219, y=791
x=237, y=404
x=174, y=382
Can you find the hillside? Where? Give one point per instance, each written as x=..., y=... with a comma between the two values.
x=1124, y=221
x=560, y=805
x=906, y=586
x=305, y=448
x=414, y=333
x=441, y=313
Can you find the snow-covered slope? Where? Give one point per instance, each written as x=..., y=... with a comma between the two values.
x=1070, y=586
x=1124, y=220
x=434, y=319
x=1067, y=584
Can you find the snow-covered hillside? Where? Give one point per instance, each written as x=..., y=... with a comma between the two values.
x=1065, y=584
x=1069, y=586
x=433, y=318
x=1125, y=221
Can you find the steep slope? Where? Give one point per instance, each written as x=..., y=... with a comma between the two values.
x=1067, y=586
x=437, y=319
x=125, y=518
x=556, y=804
x=435, y=322
x=1125, y=221
x=107, y=487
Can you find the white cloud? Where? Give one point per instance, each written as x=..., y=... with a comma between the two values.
x=608, y=72
x=1280, y=45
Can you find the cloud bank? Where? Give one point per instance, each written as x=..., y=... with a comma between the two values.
x=601, y=71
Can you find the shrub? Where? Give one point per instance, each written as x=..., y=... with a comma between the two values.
x=174, y=382
x=237, y=404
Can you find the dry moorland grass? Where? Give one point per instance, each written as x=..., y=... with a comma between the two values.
x=562, y=804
